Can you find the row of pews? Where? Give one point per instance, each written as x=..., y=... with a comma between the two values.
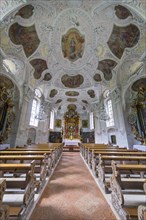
x=122, y=174
x=24, y=172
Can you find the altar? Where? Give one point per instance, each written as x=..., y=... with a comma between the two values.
x=68, y=142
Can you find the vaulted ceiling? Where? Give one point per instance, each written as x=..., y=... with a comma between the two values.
x=73, y=49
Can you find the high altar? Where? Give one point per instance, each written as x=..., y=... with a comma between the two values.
x=71, y=135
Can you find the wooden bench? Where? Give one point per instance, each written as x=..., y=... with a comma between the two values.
x=42, y=167
x=95, y=156
x=21, y=210
x=104, y=167
x=142, y=208
x=16, y=182
x=126, y=212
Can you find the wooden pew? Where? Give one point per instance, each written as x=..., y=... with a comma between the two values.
x=43, y=168
x=117, y=186
x=4, y=209
x=21, y=210
x=142, y=208
x=17, y=168
x=54, y=153
x=104, y=167
x=95, y=156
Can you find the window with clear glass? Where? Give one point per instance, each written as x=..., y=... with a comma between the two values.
x=52, y=120
x=91, y=121
x=34, y=111
x=109, y=111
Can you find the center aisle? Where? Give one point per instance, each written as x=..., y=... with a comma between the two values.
x=72, y=194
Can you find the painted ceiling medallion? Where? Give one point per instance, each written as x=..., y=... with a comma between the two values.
x=73, y=45
x=53, y=92
x=72, y=81
x=71, y=100
x=72, y=93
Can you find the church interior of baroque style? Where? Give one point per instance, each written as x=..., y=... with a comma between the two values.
x=72, y=73
x=79, y=55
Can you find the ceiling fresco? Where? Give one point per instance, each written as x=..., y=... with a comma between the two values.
x=97, y=77
x=71, y=100
x=72, y=81
x=25, y=36
x=26, y=11
x=123, y=37
x=53, y=93
x=91, y=93
x=58, y=101
x=122, y=12
x=47, y=77
x=39, y=66
x=72, y=93
x=106, y=66
x=71, y=47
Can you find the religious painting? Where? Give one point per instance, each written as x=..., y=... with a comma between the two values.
x=39, y=65
x=53, y=92
x=71, y=100
x=123, y=37
x=122, y=12
x=26, y=11
x=84, y=123
x=91, y=93
x=58, y=123
x=106, y=66
x=72, y=81
x=25, y=36
x=72, y=93
x=73, y=45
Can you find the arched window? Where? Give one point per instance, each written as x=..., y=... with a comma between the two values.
x=35, y=108
x=110, y=122
x=52, y=120
x=91, y=121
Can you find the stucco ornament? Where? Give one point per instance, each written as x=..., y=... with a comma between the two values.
x=73, y=40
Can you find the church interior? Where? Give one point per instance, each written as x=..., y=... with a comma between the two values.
x=72, y=110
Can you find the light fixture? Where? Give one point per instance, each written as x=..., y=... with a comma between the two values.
x=41, y=115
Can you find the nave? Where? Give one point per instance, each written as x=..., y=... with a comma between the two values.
x=72, y=194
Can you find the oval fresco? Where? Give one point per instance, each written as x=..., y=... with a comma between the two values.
x=47, y=77
x=58, y=101
x=122, y=12
x=72, y=81
x=73, y=45
x=84, y=101
x=72, y=93
x=71, y=100
x=53, y=92
x=26, y=11
x=91, y=93
x=97, y=77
